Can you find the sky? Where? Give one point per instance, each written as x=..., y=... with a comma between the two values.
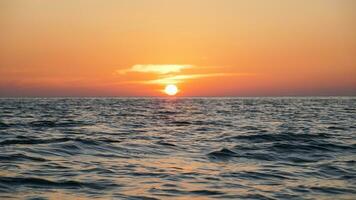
x=205, y=47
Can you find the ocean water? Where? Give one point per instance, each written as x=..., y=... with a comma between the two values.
x=178, y=148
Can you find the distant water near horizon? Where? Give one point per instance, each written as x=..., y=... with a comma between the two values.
x=178, y=148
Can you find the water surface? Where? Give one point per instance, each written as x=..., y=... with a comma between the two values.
x=183, y=148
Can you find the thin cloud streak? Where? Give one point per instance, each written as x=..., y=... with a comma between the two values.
x=180, y=78
x=156, y=69
x=170, y=74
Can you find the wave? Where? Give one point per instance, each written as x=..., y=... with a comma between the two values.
x=3, y=125
x=203, y=192
x=20, y=157
x=252, y=175
x=58, y=123
x=28, y=141
x=273, y=137
x=166, y=144
x=182, y=123
x=67, y=184
x=337, y=128
x=308, y=147
x=141, y=198
x=222, y=154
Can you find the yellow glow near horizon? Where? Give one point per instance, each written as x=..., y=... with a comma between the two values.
x=171, y=90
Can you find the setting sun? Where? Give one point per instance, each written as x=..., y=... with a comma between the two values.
x=171, y=90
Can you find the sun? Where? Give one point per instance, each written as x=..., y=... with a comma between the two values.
x=171, y=90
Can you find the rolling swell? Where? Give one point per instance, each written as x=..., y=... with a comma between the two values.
x=59, y=123
x=29, y=141
x=39, y=182
x=20, y=157
x=268, y=137
x=183, y=148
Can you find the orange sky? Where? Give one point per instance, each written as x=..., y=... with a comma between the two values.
x=206, y=47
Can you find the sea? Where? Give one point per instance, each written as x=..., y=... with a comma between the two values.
x=178, y=148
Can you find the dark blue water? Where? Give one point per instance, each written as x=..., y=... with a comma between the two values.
x=184, y=148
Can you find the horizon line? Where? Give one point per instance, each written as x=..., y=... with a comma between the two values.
x=175, y=97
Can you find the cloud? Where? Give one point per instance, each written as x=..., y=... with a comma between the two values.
x=157, y=69
x=180, y=78
x=170, y=74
